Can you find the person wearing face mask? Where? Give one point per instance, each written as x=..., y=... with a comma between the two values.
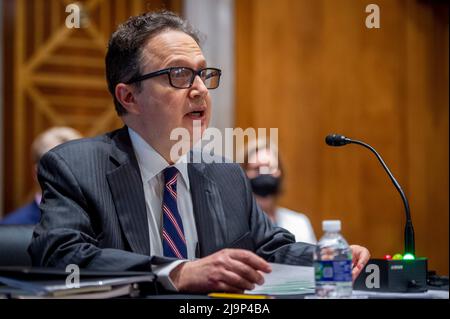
x=125, y=201
x=265, y=173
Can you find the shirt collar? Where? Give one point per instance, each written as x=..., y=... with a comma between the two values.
x=151, y=162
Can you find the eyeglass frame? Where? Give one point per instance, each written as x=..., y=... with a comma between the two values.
x=169, y=70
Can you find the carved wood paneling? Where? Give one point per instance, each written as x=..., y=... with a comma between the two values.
x=55, y=75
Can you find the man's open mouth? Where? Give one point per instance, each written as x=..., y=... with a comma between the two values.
x=196, y=114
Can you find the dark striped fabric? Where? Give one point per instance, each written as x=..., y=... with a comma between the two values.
x=94, y=214
x=174, y=242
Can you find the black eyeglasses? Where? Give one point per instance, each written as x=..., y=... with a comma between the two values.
x=183, y=77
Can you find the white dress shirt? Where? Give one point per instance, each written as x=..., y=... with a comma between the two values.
x=296, y=223
x=152, y=165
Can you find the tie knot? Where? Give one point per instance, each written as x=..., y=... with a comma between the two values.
x=170, y=173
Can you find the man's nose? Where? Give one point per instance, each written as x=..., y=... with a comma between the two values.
x=198, y=88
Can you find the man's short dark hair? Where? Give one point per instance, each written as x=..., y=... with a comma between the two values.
x=126, y=44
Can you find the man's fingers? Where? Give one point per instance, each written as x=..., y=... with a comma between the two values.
x=233, y=279
x=360, y=258
x=363, y=257
x=245, y=271
x=250, y=259
x=360, y=255
x=231, y=270
x=356, y=271
x=354, y=257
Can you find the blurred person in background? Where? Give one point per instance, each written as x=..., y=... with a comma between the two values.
x=123, y=200
x=30, y=213
x=265, y=171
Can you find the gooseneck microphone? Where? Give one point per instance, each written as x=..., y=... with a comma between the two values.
x=340, y=140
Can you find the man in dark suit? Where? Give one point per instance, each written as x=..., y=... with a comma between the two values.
x=124, y=201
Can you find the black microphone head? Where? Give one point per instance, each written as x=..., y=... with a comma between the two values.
x=336, y=140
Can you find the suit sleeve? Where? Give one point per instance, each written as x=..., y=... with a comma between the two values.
x=65, y=233
x=275, y=244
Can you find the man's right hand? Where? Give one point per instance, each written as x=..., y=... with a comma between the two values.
x=230, y=270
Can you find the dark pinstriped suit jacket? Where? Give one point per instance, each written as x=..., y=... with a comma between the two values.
x=94, y=213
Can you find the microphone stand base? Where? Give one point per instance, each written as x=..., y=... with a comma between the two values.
x=381, y=275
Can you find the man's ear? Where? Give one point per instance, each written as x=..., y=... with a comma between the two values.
x=125, y=93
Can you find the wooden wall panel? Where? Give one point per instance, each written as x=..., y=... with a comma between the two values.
x=311, y=68
x=55, y=76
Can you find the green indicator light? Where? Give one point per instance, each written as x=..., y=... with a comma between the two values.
x=409, y=257
x=397, y=257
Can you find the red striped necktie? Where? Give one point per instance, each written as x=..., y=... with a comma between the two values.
x=174, y=242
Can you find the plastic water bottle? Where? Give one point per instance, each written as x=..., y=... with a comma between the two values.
x=333, y=263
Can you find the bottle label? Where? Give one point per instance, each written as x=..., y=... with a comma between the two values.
x=333, y=270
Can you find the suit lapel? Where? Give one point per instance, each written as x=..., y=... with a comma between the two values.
x=208, y=211
x=128, y=194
